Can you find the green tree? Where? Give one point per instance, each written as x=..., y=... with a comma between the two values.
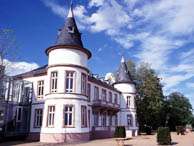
x=179, y=110
x=149, y=97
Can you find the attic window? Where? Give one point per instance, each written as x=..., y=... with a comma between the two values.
x=71, y=29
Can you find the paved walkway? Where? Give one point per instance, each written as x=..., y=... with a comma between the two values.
x=143, y=140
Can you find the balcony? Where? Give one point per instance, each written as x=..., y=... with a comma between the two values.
x=102, y=105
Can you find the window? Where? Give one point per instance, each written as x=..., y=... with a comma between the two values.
x=83, y=84
x=83, y=116
x=38, y=118
x=1, y=120
x=103, y=95
x=89, y=118
x=110, y=120
x=89, y=92
x=68, y=115
x=116, y=120
x=128, y=101
x=116, y=99
x=96, y=93
x=19, y=114
x=54, y=76
x=104, y=120
x=51, y=116
x=69, y=81
x=129, y=120
x=110, y=97
x=40, y=89
x=95, y=118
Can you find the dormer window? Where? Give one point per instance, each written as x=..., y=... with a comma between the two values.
x=71, y=29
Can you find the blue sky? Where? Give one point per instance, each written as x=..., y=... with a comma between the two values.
x=160, y=32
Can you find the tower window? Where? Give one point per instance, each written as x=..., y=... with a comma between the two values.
x=54, y=76
x=69, y=81
x=71, y=29
x=51, y=116
x=83, y=84
x=68, y=115
x=83, y=116
x=128, y=101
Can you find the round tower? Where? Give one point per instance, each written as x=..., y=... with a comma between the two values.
x=66, y=104
x=127, y=88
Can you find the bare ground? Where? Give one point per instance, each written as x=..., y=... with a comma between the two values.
x=142, y=140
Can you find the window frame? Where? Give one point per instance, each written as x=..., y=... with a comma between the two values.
x=83, y=85
x=85, y=116
x=51, y=126
x=73, y=116
x=110, y=96
x=89, y=92
x=130, y=120
x=128, y=101
x=97, y=118
x=115, y=99
x=41, y=86
x=74, y=81
x=53, y=90
x=18, y=108
x=103, y=98
x=96, y=94
x=103, y=119
x=35, y=118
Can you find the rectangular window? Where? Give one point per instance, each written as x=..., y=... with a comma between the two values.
x=128, y=101
x=104, y=120
x=96, y=93
x=69, y=81
x=116, y=99
x=83, y=84
x=130, y=120
x=1, y=120
x=110, y=97
x=103, y=95
x=68, y=115
x=54, y=76
x=110, y=120
x=51, y=116
x=40, y=89
x=116, y=120
x=83, y=116
x=19, y=114
x=95, y=118
x=38, y=118
x=89, y=118
x=89, y=92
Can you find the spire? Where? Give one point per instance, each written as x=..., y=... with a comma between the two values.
x=70, y=34
x=123, y=75
x=70, y=14
x=122, y=58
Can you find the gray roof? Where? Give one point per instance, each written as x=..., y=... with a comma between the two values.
x=70, y=34
x=39, y=70
x=123, y=75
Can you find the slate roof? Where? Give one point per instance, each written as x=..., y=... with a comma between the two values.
x=70, y=34
x=35, y=71
x=123, y=75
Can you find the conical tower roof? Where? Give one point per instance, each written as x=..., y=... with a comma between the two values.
x=123, y=75
x=70, y=34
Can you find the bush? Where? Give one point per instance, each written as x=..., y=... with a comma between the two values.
x=180, y=130
x=148, y=130
x=120, y=132
x=163, y=136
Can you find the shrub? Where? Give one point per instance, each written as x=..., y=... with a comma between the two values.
x=163, y=136
x=120, y=132
x=148, y=130
x=180, y=130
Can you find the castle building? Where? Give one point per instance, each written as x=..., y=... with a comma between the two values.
x=69, y=104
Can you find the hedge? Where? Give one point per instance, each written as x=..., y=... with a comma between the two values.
x=163, y=136
x=120, y=132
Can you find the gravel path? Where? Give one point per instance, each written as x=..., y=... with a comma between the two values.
x=143, y=140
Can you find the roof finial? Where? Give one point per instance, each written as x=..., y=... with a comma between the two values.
x=122, y=58
x=70, y=14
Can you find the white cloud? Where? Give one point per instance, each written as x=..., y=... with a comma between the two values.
x=15, y=68
x=96, y=3
x=99, y=49
x=190, y=85
x=56, y=8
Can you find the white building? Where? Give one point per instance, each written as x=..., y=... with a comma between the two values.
x=71, y=105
